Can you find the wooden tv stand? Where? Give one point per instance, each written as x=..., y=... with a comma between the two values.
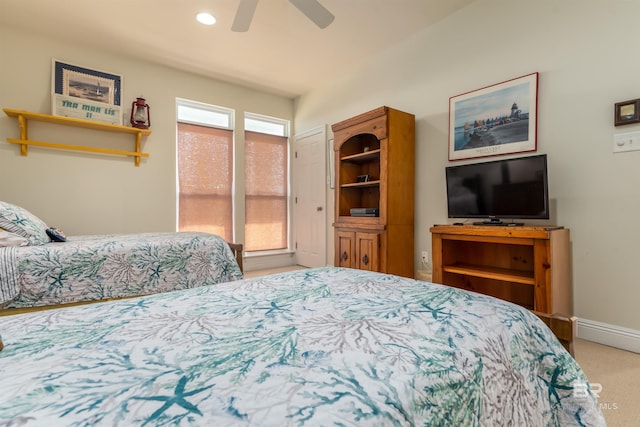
x=529, y=266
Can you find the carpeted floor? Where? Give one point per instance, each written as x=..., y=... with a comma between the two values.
x=618, y=372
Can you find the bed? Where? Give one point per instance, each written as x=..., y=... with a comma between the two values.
x=312, y=347
x=39, y=266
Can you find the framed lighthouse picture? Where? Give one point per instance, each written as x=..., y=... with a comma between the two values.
x=84, y=93
x=495, y=120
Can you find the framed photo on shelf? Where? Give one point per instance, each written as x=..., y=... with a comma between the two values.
x=494, y=120
x=627, y=112
x=83, y=93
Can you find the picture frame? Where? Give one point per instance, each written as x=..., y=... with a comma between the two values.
x=626, y=112
x=83, y=93
x=498, y=119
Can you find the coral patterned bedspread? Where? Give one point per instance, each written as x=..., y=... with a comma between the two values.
x=313, y=347
x=86, y=268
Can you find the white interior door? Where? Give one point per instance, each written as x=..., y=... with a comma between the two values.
x=310, y=210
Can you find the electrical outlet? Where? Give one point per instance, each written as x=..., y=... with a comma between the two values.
x=425, y=257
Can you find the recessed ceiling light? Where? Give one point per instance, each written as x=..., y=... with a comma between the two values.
x=206, y=18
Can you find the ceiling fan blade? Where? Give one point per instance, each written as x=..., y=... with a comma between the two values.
x=244, y=15
x=314, y=11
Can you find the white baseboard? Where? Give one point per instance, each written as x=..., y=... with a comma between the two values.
x=261, y=262
x=611, y=335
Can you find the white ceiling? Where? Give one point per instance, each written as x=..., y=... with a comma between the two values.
x=283, y=52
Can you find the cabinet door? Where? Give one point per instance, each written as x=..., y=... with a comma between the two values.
x=367, y=251
x=345, y=245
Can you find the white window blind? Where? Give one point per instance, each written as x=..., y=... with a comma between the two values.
x=266, y=191
x=205, y=180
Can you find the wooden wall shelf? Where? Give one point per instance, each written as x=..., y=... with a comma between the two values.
x=24, y=141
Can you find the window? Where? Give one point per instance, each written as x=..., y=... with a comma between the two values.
x=206, y=164
x=266, y=183
x=205, y=169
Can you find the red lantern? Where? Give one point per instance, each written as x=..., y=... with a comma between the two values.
x=140, y=116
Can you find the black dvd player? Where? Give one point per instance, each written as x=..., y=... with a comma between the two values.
x=364, y=211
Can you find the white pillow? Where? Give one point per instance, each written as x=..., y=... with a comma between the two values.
x=23, y=223
x=12, y=239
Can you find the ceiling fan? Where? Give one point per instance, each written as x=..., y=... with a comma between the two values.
x=311, y=8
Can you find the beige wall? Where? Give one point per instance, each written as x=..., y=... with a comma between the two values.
x=583, y=50
x=86, y=193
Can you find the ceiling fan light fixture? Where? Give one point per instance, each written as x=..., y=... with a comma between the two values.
x=314, y=11
x=205, y=18
x=244, y=15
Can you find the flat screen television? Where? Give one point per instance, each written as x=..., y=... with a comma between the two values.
x=510, y=189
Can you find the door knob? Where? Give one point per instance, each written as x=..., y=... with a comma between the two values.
x=344, y=256
x=365, y=259
x=319, y=208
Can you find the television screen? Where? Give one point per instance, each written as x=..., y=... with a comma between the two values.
x=511, y=189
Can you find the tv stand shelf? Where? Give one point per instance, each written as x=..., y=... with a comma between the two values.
x=502, y=274
x=529, y=266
